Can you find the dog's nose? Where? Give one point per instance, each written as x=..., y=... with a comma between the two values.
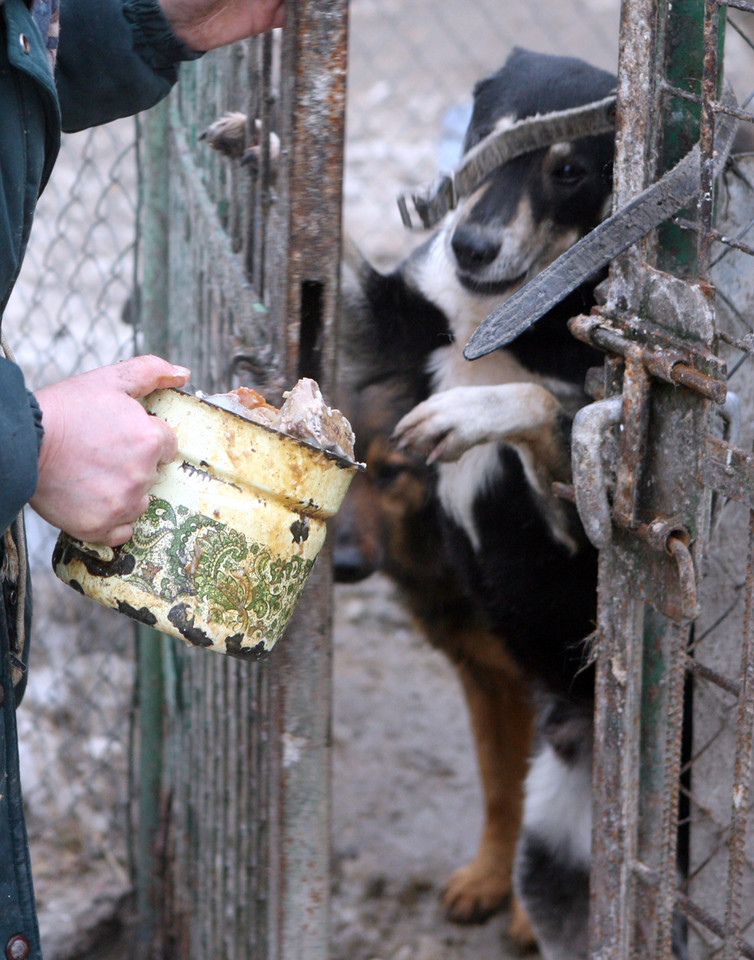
x=350, y=565
x=473, y=248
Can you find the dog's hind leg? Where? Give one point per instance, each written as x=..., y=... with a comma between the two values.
x=552, y=861
x=501, y=723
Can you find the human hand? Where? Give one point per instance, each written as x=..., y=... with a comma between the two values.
x=206, y=24
x=101, y=449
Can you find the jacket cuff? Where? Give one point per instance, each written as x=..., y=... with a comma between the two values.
x=153, y=36
x=36, y=414
x=19, y=443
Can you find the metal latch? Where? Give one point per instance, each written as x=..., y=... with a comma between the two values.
x=615, y=509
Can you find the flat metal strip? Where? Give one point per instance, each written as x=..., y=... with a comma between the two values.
x=728, y=470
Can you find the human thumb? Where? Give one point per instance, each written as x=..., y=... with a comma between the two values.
x=139, y=376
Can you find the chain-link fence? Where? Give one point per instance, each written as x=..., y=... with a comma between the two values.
x=69, y=313
x=718, y=769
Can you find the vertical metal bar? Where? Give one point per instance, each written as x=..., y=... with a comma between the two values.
x=634, y=419
x=149, y=667
x=620, y=617
x=662, y=724
x=615, y=770
x=306, y=223
x=640, y=676
x=677, y=128
x=712, y=76
x=153, y=321
x=742, y=770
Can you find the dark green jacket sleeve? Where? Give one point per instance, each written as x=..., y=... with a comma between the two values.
x=116, y=58
x=20, y=439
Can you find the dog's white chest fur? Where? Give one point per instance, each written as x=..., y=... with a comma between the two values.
x=460, y=482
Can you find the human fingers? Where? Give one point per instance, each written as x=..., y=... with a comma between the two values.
x=165, y=441
x=117, y=536
x=139, y=376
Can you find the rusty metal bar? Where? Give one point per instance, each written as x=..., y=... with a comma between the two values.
x=635, y=419
x=673, y=666
x=304, y=227
x=710, y=85
x=712, y=676
x=620, y=616
x=615, y=767
x=746, y=5
x=728, y=470
x=695, y=912
x=742, y=770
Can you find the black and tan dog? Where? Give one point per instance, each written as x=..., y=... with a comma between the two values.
x=493, y=436
x=496, y=568
x=390, y=521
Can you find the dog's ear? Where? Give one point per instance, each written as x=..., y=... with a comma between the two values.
x=358, y=350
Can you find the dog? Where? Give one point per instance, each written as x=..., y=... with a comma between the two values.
x=492, y=437
x=390, y=521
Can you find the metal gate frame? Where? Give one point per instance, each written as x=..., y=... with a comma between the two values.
x=666, y=463
x=240, y=275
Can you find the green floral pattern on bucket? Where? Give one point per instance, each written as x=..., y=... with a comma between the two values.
x=238, y=583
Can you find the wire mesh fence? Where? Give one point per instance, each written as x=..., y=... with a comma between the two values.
x=69, y=312
x=718, y=784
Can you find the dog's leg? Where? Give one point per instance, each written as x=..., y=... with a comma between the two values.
x=453, y=421
x=551, y=874
x=501, y=723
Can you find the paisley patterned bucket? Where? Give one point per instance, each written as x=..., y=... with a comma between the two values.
x=233, y=527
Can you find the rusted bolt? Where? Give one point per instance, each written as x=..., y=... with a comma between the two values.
x=17, y=948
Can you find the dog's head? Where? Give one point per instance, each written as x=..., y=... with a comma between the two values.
x=534, y=207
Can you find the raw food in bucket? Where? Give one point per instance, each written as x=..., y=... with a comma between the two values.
x=304, y=415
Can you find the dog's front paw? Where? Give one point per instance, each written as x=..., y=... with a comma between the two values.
x=475, y=891
x=231, y=136
x=227, y=135
x=440, y=428
x=253, y=157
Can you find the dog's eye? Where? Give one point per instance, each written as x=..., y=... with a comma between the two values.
x=568, y=172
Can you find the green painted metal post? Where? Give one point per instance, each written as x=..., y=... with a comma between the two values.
x=641, y=664
x=153, y=323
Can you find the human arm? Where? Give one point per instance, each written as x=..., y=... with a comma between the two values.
x=207, y=24
x=101, y=449
x=118, y=57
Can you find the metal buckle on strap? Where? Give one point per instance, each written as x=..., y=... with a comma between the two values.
x=431, y=206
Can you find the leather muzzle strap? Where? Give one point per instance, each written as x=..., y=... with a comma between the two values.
x=504, y=143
